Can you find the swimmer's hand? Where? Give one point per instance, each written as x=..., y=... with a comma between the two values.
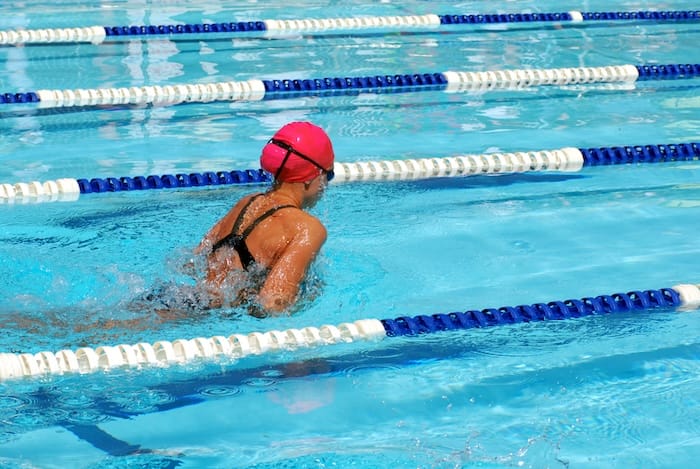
x=272, y=305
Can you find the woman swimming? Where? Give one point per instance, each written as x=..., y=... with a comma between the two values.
x=257, y=255
x=267, y=241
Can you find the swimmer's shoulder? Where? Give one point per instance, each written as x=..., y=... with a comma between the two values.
x=238, y=206
x=314, y=228
x=306, y=225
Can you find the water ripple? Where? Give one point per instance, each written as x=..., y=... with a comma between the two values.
x=141, y=400
x=78, y=401
x=361, y=369
x=141, y=461
x=37, y=418
x=86, y=417
x=13, y=402
x=260, y=382
x=219, y=391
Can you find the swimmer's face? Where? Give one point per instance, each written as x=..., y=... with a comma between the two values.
x=317, y=187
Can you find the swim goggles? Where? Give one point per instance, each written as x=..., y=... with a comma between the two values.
x=330, y=174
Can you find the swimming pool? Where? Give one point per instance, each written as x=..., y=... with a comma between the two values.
x=606, y=390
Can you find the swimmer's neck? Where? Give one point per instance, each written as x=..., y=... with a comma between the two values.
x=288, y=193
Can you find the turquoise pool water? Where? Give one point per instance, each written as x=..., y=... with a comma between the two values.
x=610, y=391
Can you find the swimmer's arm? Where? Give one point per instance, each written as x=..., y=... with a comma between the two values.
x=286, y=274
x=203, y=249
x=210, y=238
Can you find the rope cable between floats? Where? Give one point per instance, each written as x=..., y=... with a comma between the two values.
x=257, y=90
x=562, y=159
x=98, y=34
x=181, y=351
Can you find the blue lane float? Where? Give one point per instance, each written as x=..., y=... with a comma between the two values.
x=634, y=301
x=257, y=90
x=604, y=156
x=98, y=34
x=187, y=28
x=236, y=346
x=564, y=159
x=572, y=16
x=170, y=181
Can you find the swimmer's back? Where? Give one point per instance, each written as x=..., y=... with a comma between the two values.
x=281, y=243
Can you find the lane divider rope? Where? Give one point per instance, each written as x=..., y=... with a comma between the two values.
x=257, y=90
x=98, y=34
x=563, y=159
x=182, y=351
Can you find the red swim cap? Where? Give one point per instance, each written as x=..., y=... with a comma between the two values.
x=307, y=141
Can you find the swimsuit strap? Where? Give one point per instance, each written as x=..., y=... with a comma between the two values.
x=239, y=244
x=257, y=221
x=241, y=214
x=237, y=241
x=236, y=224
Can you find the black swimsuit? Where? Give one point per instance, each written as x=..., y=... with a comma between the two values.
x=187, y=298
x=237, y=241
